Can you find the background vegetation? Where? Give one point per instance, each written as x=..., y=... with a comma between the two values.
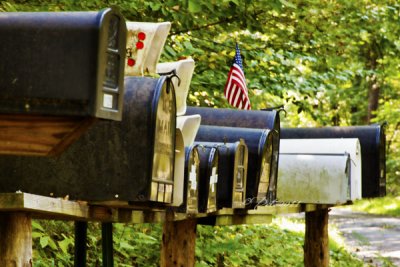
x=326, y=62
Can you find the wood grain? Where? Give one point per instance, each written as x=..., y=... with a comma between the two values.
x=38, y=135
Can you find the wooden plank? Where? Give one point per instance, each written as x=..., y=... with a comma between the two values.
x=39, y=135
x=316, y=244
x=15, y=239
x=243, y=219
x=178, y=243
x=43, y=205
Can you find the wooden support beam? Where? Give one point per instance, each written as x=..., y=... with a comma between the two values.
x=316, y=243
x=15, y=239
x=178, y=243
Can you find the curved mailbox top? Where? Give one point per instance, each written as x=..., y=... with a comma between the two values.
x=131, y=160
x=237, y=118
x=62, y=63
x=373, y=151
x=184, y=70
x=189, y=125
x=144, y=44
x=262, y=165
x=314, y=178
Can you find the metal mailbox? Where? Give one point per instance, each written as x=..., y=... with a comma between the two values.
x=62, y=63
x=331, y=146
x=244, y=119
x=232, y=173
x=314, y=178
x=191, y=181
x=144, y=44
x=373, y=151
x=262, y=165
x=131, y=160
x=207, y=187
x=184, y=71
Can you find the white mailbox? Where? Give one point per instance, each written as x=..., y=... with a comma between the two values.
x=144, y=44
x=313, y=178
x=331, y=146
x=184, y=70
x=187, y=127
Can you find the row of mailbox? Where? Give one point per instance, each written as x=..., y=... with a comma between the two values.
x=136, y=153
x=234, y=161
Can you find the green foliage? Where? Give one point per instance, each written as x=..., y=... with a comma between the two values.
x=139, y=245
x=384, y=206
x=322, y=60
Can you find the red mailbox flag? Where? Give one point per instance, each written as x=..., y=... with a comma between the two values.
x=235, y=88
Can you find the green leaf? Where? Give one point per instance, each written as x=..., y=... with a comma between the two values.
x=194, y=6
x=44, y=241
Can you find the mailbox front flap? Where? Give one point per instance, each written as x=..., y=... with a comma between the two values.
x=313, y=178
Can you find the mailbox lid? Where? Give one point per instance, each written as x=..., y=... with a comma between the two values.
x=373, y=151
x=62, y=63
x=331, y=146
x=313, y=178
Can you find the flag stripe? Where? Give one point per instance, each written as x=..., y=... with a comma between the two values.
x=235, y=88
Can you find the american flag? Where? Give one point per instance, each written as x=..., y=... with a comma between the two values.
x=235, y=88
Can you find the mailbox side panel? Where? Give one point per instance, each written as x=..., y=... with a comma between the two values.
x=111, y=161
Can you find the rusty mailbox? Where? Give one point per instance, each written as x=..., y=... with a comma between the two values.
x=262, y=165
x=373, y=151
x=232, y=173
x=131, y=160
x=59, y=70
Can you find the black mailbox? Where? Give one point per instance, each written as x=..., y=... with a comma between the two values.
x=232, y=173
x=131, y=160
x=58, y=71
x=373, y=151
x=62, y=63
x=191, y=181
x=207, y=187
x=246, y=119
x=262, y=166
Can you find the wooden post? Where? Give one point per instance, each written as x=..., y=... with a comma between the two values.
x=15, y=239
x=178, y=243
x=316, y=243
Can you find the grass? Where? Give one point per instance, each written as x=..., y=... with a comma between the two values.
x=388, y=205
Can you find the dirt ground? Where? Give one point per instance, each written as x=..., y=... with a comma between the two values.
x=373, y=238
